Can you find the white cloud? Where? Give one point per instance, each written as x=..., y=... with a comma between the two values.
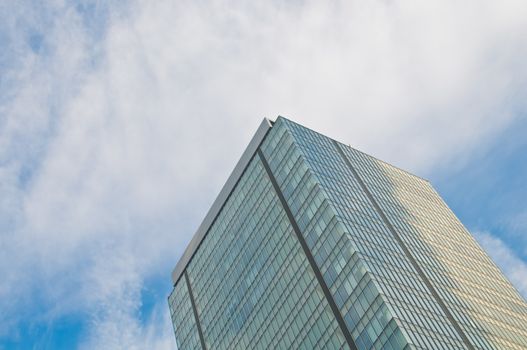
x=509, y=263
x=115, y=318
x=114, y=145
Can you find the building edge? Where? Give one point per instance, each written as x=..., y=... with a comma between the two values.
x=221, y=199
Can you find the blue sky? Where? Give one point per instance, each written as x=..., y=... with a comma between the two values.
x=120, y=122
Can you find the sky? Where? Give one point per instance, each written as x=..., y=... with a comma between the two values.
x=121, y=120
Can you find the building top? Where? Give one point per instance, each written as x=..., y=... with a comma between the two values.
x=213, y=212
x=225, y=192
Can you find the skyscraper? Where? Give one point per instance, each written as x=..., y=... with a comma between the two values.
x=312, y=244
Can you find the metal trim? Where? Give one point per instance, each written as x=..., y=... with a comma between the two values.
x=195, y=311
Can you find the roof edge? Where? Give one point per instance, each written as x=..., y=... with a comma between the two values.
x=220, y=200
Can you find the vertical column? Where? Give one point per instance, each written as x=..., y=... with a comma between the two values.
x=198, y=325
x=310, y=258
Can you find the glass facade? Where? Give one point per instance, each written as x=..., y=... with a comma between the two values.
x=320, y=246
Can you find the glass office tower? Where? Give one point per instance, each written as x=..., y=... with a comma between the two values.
x=312, y=244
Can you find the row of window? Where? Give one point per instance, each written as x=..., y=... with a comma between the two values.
x=450, y=257
x=325, y=235
x=250, y=277
x=325, y=163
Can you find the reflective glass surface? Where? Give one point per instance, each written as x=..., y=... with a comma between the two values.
x=251, y=281
x=482, y=301
x=396, y=269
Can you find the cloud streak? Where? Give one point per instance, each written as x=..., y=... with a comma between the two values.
x=509, y=263
x=120, y=123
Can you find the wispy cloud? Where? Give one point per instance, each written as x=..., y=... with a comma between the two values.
x=115, y=319
x=120, y=122
x=510, y=264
